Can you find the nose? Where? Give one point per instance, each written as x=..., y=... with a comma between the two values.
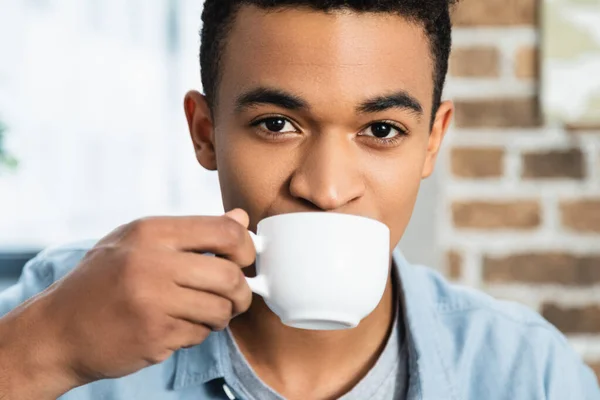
x=329, y=174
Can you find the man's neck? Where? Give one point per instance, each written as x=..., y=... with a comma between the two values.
x=312, y=364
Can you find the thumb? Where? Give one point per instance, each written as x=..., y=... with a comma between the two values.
x=240, y=216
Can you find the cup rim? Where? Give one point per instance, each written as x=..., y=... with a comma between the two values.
x=324, y=213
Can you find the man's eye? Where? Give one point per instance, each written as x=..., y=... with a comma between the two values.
x=276, y=125
x=383, y=130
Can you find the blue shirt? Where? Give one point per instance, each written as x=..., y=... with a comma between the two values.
x=462, y=344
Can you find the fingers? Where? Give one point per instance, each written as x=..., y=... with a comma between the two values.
x=186, y=334
x=201, y=308
x=224, y=235
x=214, y=275
x=240, y=216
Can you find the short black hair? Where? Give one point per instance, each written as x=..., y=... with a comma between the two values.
x=433, y=15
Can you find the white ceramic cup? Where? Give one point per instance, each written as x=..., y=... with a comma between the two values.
x=321, y=271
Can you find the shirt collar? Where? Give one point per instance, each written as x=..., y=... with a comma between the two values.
x=199, y=364
x=430, y=377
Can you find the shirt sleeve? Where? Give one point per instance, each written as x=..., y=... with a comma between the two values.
x=36, y=277
x=40, y=272
x=590, y=383
x=568, y=377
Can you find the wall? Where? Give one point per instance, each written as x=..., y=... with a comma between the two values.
x=419, y=243
x=520, y=209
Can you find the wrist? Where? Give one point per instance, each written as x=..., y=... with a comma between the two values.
x=32, y=362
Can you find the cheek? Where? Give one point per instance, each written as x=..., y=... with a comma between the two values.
x=396, y=187
x=251, y=175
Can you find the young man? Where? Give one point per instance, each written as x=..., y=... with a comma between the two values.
x=318, y=105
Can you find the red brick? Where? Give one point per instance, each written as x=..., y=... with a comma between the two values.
x=495, y=12
x=580, y=320
x=554, y=164
x=593, y=128
x=526, y=64
x=477, y=162
x=543, y=268
x=581, y=215
x=521, y=214
x=454, y=263
x=498, y=113
x=475, y=62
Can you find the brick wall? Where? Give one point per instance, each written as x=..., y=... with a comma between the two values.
x=521, y=199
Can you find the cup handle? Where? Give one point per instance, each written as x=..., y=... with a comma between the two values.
x=258, y=284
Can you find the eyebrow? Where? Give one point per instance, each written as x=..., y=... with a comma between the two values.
x=282, y=99
x=276, y=97
x=400, y=99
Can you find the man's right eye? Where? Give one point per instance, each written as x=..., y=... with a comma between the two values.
x=275, y=125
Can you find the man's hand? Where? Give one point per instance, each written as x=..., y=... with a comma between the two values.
x=140, y=294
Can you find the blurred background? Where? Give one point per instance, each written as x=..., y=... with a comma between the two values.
x=92, y=135
x=91, y=95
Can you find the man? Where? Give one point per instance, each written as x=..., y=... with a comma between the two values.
x=319, y=105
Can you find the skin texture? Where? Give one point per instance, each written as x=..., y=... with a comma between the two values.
x=145, y=290
x=324, y=161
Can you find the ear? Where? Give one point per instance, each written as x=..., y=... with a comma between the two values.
x=200, y=123
x=442, y=120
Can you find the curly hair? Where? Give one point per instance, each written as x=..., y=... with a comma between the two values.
x=432, y=15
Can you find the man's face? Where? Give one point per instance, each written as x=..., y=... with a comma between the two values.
x=321, y=112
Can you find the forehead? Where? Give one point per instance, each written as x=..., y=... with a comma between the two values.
x=342, y=55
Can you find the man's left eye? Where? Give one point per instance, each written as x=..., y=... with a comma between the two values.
x=383, y=130
x=277, y=125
